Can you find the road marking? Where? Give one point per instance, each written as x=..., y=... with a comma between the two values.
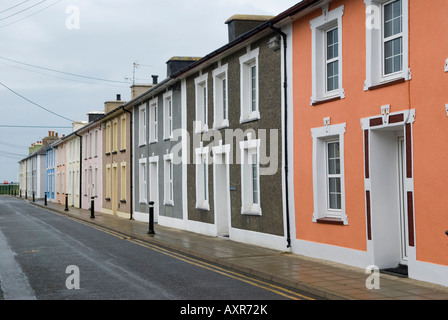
x=255, y=282
x=238, y=276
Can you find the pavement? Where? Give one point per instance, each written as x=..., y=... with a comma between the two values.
x=322, y=278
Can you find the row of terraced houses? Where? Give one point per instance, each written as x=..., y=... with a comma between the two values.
x=319, y=131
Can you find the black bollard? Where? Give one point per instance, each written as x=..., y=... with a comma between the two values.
x=20, y=192
x=151, y=218
x=26, y=194
x=66, y=202
x=34, y=197
x=92, y=208
x=45, y=199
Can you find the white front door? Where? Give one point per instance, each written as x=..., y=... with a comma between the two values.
x=221, y=190
x=154, y=188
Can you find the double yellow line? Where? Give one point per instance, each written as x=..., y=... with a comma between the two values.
x=234, y=275
x=231, y=274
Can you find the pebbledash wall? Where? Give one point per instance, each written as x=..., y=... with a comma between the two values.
x=157, y=176
x=389, y=198
x=225, y=197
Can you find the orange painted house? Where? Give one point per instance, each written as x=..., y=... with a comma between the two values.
x=367, y=111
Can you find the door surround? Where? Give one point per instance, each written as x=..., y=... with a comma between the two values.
x=380, y=134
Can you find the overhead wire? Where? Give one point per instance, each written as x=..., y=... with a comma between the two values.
x=11, y=145
x=63, y=72
x=30, y=14
x=62, y=78
x=34, y=103
x=14, y=6
x=23, y=10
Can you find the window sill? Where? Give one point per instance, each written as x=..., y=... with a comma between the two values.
x=253, y=211
x=201, y=130
x=223, y=124
x=386, y=84
x=327, y=220
x=250, y=119
x=203, y=206
x=326, y=100
x=169, y=204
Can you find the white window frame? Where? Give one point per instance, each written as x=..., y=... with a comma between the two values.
x=250, y=108
x=168, y=180
x=96, y=144
x=374, y=44
x=123, y=182
x=202, y=178
x=321, y=136
x=220, y=97
x=143, y=180
x=108, y=137
x=249, y=149
x=115, y=135
x=153, y=120
x=201, y=103
x=123, y=133
x=142, y=123
x=319, y=28
x=168, y=115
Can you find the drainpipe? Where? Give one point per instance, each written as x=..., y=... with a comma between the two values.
x=80, y=169
x=131, y=167
x=285, y=89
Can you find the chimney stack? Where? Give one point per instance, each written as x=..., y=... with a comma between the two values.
x=154, y=79
x=239, y=24
x=112, y=105
x=176, y=64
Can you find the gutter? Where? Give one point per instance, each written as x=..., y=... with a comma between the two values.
x=285, y=88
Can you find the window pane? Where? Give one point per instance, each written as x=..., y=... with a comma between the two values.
x=333, y=76
x=332, y=44
x=254, y=87
x=393, y=55
x=392, y=18
x=224, y=99
x=254, y=179
x=335, y=193
x=334, y=166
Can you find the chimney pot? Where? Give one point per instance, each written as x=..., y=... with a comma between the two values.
x=154, y=79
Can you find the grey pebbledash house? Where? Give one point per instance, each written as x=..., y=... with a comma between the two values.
x=157, y=171
x=234, y=119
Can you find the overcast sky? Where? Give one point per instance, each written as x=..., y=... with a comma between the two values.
x=112, y=35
